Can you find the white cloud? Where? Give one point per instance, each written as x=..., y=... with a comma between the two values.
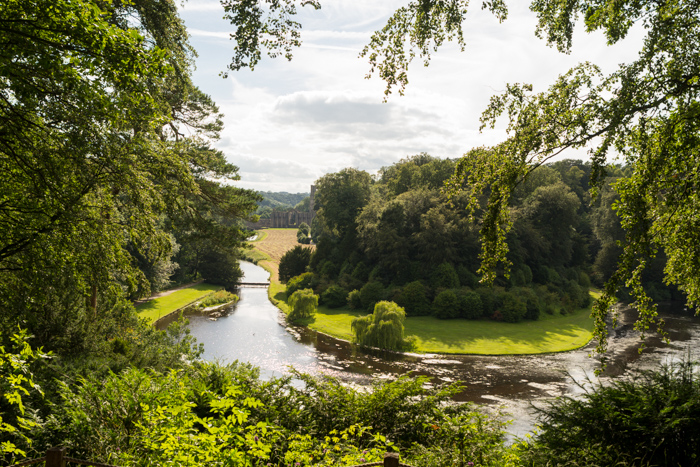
x=194, y=32
x=201, y=6
x=288, y=123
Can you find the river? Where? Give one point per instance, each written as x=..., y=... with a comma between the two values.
x=250, y=331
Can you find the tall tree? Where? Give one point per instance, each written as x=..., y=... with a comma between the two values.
x=101, y=134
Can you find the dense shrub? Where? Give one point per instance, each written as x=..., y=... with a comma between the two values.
x=370, y=294
x=354, y=300
x=414, y=300
x=490, y=299
x=294, y=262
x=470, y=305
x=533, y=303
x=444, y=276
x=546, y=275
x=574, y=296
x=650, y=419
x=302, y=304
x=303, y=233
x=329, y=269
x=334, y=297
x=361, y=272
x=466, y=277
x=584, y=280
x=383, y=328
x=513, y=309
x=308, y=280
x=446, y=305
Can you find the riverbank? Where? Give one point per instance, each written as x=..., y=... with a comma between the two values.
x=165, y=305
x=550, y=334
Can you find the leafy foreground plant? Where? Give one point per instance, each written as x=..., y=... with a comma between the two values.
x=650, y=419
x=212, y=415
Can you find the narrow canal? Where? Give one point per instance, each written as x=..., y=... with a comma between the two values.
x=250, y=331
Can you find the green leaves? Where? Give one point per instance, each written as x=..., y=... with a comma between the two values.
x=262, y=25
x=17, y=383
x=420, y=26
x=146, y=418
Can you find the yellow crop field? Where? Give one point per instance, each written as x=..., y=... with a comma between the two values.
x=274, y=243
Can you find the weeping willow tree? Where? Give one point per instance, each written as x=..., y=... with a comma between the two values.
x=302, y=304
x=383, y=328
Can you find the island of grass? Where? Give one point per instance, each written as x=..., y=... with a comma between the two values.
x=551, y=333
x=178, y=299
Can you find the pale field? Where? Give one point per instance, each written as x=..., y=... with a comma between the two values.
x=275, y=243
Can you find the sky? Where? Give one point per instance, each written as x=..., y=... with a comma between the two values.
x=287, y=123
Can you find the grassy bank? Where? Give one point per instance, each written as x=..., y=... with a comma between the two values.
x=459, y=336
x=155, y=309
x=551, y=333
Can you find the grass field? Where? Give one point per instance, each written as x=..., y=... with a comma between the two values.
x=154, y=309
x=484, y=337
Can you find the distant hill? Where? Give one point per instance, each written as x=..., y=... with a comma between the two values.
x=281, y=199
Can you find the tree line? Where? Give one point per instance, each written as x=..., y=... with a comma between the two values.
x=400, y=236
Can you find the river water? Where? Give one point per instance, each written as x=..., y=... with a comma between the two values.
x=251, y=331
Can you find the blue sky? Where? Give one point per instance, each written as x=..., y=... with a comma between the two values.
x=288, y=123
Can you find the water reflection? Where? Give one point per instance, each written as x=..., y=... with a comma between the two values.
x=251, y=331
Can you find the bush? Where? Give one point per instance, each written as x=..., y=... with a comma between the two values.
x=470, y=305
x=490, y=299
x=446, y=305
x=361, y=272
x=354, y=300
x=445, y=277
x=533, y=303
x=329, y=269
x=513, y=309
x=294, y=262
x=575, y=296
x=383, y=328
x=370, y=294
x=302, y=304
x=414, y=300
x=303, y=233
x=308, y=280
x=466, y=277
x=648, y=419
x=584, y=281
x=334, y=296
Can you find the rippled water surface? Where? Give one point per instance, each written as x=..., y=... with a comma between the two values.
x=251, y=331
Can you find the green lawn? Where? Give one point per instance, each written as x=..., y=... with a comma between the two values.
x=556, y=334
x=335, y=322
x=458, y=336
x=159, y=307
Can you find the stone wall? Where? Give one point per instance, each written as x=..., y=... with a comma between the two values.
x=287, y=219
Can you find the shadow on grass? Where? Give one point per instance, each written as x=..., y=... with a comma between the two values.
x=146, y=306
